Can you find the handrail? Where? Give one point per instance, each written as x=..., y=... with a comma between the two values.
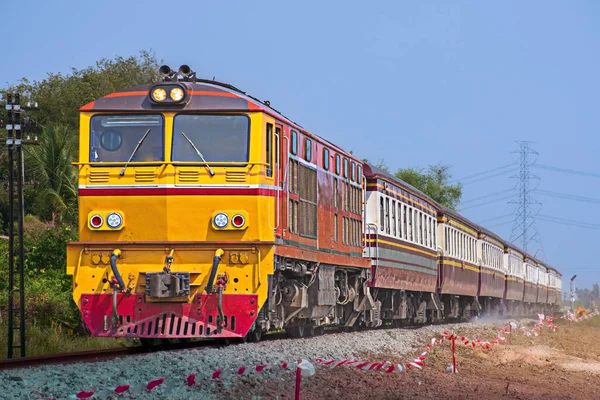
x=258, y=268
x=374, y=225
x=76, y=272
x=277, y=182
x=285, y=176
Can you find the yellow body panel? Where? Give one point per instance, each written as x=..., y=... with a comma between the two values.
x=156, y=225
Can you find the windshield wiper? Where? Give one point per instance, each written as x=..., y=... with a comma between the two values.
x=199, y=154
x=135, y=151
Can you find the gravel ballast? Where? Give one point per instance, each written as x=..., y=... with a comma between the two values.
x=64, y=381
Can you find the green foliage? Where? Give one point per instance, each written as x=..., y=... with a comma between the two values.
x=60, y=96
x=53, y=174
x=55, y=338
x=434, y=182
x=47, y=286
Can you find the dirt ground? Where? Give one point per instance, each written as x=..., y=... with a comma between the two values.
x=556, y=365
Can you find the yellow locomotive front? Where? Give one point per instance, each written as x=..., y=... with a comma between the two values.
x=176, y=211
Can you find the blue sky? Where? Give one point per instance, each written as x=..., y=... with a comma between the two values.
x=413, y=83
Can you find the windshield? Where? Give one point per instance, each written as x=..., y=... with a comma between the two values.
x=113, y=138
x=219, y=138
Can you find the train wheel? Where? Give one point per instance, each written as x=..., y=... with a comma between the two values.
x=319, y=330
x=254, y=336
x=295, y=331
x=309, y=331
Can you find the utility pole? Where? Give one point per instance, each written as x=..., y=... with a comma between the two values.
x=525, y=211
x=573, y=293
x=14, y=144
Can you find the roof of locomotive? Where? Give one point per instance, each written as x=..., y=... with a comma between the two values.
x=204, y=95
x=373, y=171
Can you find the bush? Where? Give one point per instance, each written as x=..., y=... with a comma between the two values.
x=48, y=288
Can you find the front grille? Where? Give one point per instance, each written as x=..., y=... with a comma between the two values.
x=99, y=175
x=235, y=176
x=190, y=175
x=145, y=175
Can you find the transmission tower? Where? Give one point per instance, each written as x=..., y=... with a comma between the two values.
x=526, y=207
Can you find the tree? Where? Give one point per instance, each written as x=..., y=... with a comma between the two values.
x=434, y=182
x=60, y=96
x=53, y=174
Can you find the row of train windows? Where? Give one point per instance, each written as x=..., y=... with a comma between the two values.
x=492, y=256
x=530, y=273
x=407, y=223
x=460, y=245
x=515, y=266
x=351, y=231
x=350, y=170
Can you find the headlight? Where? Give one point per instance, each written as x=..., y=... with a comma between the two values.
x=221, y=220
x=159, y=94
x=114, y=220
x=176, y=94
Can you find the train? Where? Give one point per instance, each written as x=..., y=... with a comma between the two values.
x=205, y=213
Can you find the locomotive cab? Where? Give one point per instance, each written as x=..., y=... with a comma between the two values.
x=174, y=178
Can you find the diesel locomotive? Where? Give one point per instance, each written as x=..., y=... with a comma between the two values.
x=205, y=213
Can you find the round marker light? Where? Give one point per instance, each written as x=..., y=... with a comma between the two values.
x=114, y=220
x=221, y=220
x=176, y=94
x=238, y=221
x=96, y=221
x=159, y=94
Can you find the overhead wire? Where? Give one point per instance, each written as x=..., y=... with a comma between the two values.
x=567, y=170
x=495, y=218
x=464, y=178
x=565, y=221
x=486, y=202
x=469, y=182
x=488, y=195
x=568, y=196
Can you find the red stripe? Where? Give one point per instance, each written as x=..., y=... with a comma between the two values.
x=177, y=192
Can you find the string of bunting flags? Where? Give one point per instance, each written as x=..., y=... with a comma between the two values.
x=305, y=368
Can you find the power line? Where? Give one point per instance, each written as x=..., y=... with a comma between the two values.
x=465, y=178
x=500, y=224
x=490, y=176
x=567, y=170
x=488, y=195
x=569, y=196
x=494, y=219
x=487, y=202
x=564, y=221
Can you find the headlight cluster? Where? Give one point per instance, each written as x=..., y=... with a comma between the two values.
x=229, y=220
x=167, y=94
x=105, y=220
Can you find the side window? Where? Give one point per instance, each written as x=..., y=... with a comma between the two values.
x=326, y=159
x=353, y=172
x=277, y=149
x=308, y=150
x=337, y=164
x=294, y=144
x=345, y=167
x=358, y=173
x=381, y=215
x=269, y=149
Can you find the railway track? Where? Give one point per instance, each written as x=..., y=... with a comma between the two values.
x=107, y=354
x=72, y=357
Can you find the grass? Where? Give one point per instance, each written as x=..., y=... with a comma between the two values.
x=50, y=340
